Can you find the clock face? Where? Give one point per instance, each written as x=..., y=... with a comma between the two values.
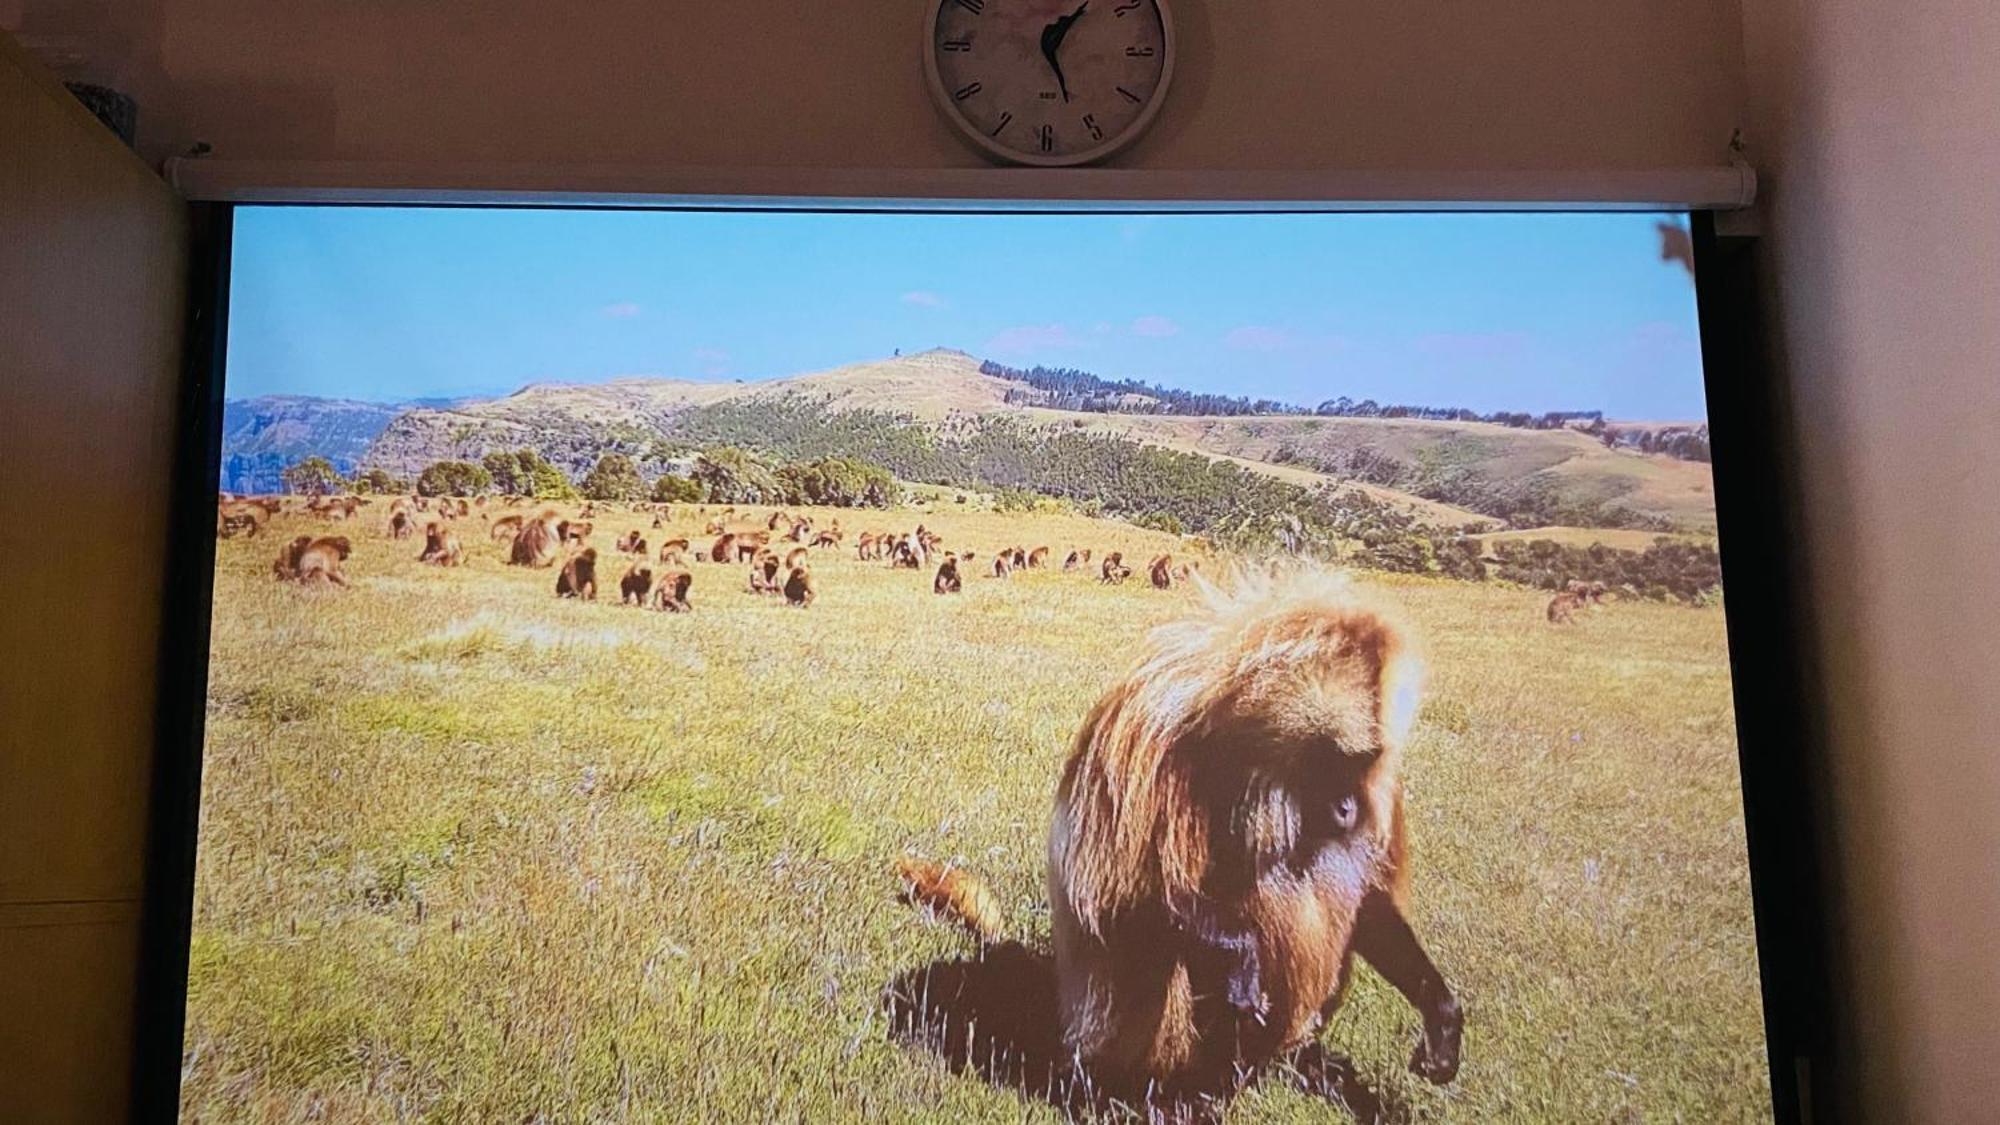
x=1050, y=81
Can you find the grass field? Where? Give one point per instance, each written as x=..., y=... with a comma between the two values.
x=471, y=853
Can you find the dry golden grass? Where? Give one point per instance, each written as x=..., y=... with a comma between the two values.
x=471, y=853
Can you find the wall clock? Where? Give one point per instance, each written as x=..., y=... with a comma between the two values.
x=1049, y=82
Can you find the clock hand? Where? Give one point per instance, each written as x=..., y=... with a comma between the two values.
x=1052, y=37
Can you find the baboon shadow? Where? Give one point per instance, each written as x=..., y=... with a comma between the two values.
x=995, y=1016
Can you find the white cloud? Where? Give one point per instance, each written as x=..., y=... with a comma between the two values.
x=711, y=361
x=924, y=298
x=1032, y=338
x=1258, y=338
x=1155, y=326
x=623, y=310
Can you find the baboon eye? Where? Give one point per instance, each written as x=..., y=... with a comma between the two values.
x=1346, y=812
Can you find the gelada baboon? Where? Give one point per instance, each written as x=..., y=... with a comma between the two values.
x=796, y=557
x=671, y=592
x=799, y=588
x=440, y=546
x=1114, y=570
x=724, y=549
x=1003, y=564
x=400, y=526
x=1038, y=558
x=574, y=532
x=1575, y=595
x=672, y=550
x=764, y=574
x=1228, y=835
x=630, y=544
x=287, y=566
x=505, y=527
x=750, y=544
x=538, y=543
x=947, y=580
x=637, y=583
x=1161, y=571
x=319, y=561
x=579, y=576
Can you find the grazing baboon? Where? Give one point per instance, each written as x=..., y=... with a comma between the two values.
x=672, y=550
x=777, y=518
x=635, y=585
x=579, y=576
x=1019, y=559
x=505, y=527
x=947, y=580
x=750, y=548
x=287, y=566
x=1161, y=570
x=796, y=557
x=908, y=553
x=800, y=531
x=764, y=574
x=713, y=527
x=440, y=546
x=724, y=549
x=1074, y=560
x=1575, y=595
x=630, y=543
x=574, y=532
x=320, y=561
x=1229, y=833
x=1038, y=558
x=799, y=589
x=657, y=524
x=828, y=538
x=538, y=542
x=236, y=516
x=1003, y=564
x=589, y=511
x=1114, y=570
x=671, y=592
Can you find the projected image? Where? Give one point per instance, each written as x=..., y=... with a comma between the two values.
x=902, y=667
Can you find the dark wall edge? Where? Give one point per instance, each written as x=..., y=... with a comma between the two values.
x=183, y=684
x=1769, y=622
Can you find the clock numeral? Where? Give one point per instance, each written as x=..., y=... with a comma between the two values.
x=1090, y=123
x=1046, y=135
x=966, y=91
x=958, y=44
x=1129, y=6
x=1130, y=96
x=973, y=6
x=1139, y=52
x=1004, y=119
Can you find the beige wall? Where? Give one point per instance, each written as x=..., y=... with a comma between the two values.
x=91, y=262
x=1264, y=84
x=1876, y=127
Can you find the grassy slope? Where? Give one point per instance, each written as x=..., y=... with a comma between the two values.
x=934, y=385
x=1682, y=491
x=471, y=853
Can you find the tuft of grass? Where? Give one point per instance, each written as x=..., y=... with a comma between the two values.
x=469, y=852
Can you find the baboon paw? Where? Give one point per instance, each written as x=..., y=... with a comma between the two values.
x=1437, y=1054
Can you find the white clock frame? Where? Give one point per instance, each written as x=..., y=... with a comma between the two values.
x=994, y=149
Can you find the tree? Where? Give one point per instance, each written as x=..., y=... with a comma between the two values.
x=453, y=478
x=615, y=477
x=314, y=476
x=729, y=475
x=524, y=472
x=379, y=481
x=837, y=482
x=671, y=489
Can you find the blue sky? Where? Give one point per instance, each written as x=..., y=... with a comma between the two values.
x=1488, y=311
